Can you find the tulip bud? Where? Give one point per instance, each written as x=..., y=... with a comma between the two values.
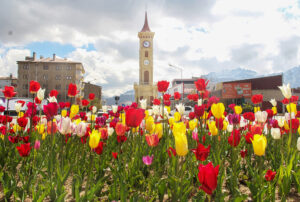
x=37, y=145
x=94, y=109
x=114, y=108
x=104, y=108
x=273, y=102
x=18, y=107
x=180, y=108
x=286, y=91
x=52, y=99
x=143, y=103
x=41, y=94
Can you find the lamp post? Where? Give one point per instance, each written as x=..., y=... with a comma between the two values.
x=181, y=69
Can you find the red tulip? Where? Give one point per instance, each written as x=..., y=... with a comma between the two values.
x=120, y=128
x=285, y=101
x=167, y=102
x=294, y=99
x=156, y=102
x=34, y=86
x=193, y=97
x=243, y=153
x=72, y=91
x=91, y=96
x=208, y=176
x=201, y=84
x=249, y=138
x=99, y=148
x=162, y=86
x=2, y=109
x=192, y=115
x=121, y=139
x=50, y=110
x=61, y=105
x=85, y=103
x=9, y=92
x=177, y=96
x=31, y=109
x=199, y=110
x=67, y=104
x=115, y=154
x=270, y=175
x=167, y=96
x=53, y=93
x=152, y=140
x=256, y=99
x=249, y=116
x=37, y=101
x=24, y=149
x=235, y=138
x=171, y=151
x=134, y=117
x=22, y=121
x=201, y=152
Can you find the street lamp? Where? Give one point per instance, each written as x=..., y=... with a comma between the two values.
x=180, y=68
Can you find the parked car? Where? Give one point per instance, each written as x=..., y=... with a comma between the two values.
x=187, y=110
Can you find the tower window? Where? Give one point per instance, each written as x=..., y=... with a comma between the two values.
x=146, y=54
x=146, y=77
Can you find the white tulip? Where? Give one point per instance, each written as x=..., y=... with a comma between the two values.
x=110, y=131
x=41, y=94
x=64, y=125
x=150, y=112
x=275, y=132
x=94, y=109
x=18, y=107
x=298, y=144
x=52, y=99
x=281, y=121
x=261, y=116
x=114, y=108
x=156, y=109
x=165, y=112
x=143, y=103
x=104, y=108
x=200, y=102
x=287, y=116
x=230, y=128
x=180, y=108
x=273, y=102
x=81, y=129
x=286, y=91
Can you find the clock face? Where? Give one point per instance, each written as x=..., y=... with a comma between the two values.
x=146, y=62
x=146, y=44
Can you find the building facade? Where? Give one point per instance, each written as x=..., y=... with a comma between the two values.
x=51, y=73
x=8, y=81
x=92, y=88
x=145, y=89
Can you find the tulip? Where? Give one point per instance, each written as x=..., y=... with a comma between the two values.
x=201, y=84
x=94, y=139
x=162, y=86
x=99, y=148
x=22, y=122
x=114, y=108
x=104, y=108
x=52, y=99
x=134, y=117
x=218, y=110
x=8, y=92
x=41, y=94
x=64, y=113
x=94, y=109
x=180, y=108
x=298, y=144
x=156, y=110
x=37, y=145
x=120, y=129
x=150, y=126
x=195, y=136
x=148, y=160
x=53, y=93
x=275, y=132
x=64, y=125
x=213, y=128
x=192, y=124
x=292, y=108
x=261, y=117
x=158, y=130
x=50, y=110
x=200, y=102
x=18, y=107
x=171, y=151
x=208, y=176
x=24, y=149
x=110, y=131
x=91, y=96
x=286, y=91
x=181, y=144
x=270, y=175
x=143, y=103
x=72, y=90
x=243, y=153
x=177, y=116
x=235, y=138
x=152, y=140
x=74, y=110
x=115, y=154
x=273, y=102
x=80, y=129
x=259, y=143
x=40, y=128
x=238, y=109
x=201, y=152
x=179, y=128
x=34, y=86
x=177, y=96
x=256, y=99
x=281, y=121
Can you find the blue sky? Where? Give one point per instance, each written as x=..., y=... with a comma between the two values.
x=199, y=36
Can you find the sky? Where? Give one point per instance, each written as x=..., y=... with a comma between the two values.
x=199, y=36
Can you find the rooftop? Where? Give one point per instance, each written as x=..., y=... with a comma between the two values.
x=146, y=26
x=54, y=59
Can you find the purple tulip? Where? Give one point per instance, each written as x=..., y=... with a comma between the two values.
x=148, y=160
x=234, y=118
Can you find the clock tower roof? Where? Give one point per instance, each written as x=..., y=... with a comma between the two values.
x=146, y=26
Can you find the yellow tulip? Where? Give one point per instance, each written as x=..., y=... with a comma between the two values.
x=158, y=130
x=146, y=114
x=291, y=108
x=179, y=128
x=225, y=124
x=17, y=128
x=286, y=126
x=259, y=143
x=93, y=117
x=40, y=128
x=171, y=121
x=192, y=124
x=213, y=128
x=63, y=113
x=21, y=114
x=181, y=144
x=299, y=130
x=177, y=116
x=274, y=109
x=205, y=115
x=2, y=136
x=74, y=110
x=150, y=126
x=238, y=109
x=44, y=136
x=94, y=139
x=122, y=115
x=168, y=109
x=218, y=110
x=256, y=109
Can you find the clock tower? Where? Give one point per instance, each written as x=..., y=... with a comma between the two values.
x=145, y=89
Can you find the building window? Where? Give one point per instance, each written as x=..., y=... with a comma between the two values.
x=57, y=87
x=25, y=66
x=25, y=76
x=25, y=86
x=146, y=77
x=46, y=67
x=69, y=67
x=57, y=77
x=24, y=95
x=45, y=77
x=68, y=77
x=57, y=67
x=146, y=54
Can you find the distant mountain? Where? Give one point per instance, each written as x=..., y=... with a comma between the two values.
x=291, y=76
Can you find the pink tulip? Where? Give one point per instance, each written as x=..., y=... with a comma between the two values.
x=37, y=145
x=195, y=136
x=148, y=160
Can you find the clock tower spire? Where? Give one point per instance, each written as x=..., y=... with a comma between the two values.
x=145, y=89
